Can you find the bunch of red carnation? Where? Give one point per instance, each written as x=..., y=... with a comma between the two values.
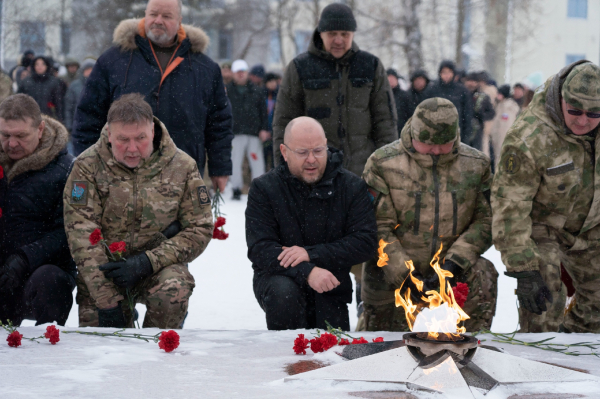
x=460, y=291
x=168, y=341
x=14, y=337
x=219, y=232
x=324, y=342
x=116, y=250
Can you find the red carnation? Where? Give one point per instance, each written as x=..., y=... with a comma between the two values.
x=359, y=341
x=300, y=345
x=117, y=247
x=14, y=339
x=378, y=339
x=461, y=291
x=219, y=234
x=316, y=345
x=169, y=341
x=95, y=237
x=343, y=342
x=1, y=172
x=53, y=334
x=220, y=222
x=328, y=341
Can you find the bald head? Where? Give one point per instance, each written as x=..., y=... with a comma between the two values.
x=303, y=126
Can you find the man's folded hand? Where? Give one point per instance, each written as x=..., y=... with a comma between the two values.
x=293, y=256
x=322, y=280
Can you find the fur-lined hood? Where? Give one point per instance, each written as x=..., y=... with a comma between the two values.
x=126, y=31
x=54, y=140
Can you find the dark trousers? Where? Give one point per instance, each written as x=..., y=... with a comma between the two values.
x=46, y=297
x=289, y=306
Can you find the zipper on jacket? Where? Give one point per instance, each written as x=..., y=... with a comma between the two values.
x=132, y=232
x=340, y=103
x=417, y=213
x=454, y=213
x=436, y=217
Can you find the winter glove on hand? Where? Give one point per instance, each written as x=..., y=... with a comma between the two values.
x=127, y=273
x=111, y=317
x=172, y=230
x=433, y=283
x=13, y=273
x=532, y=291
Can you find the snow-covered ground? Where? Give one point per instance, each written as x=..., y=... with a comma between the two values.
x=224, y=300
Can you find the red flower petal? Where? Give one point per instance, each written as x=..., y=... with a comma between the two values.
x=95, y=237
x=343, y=342
x=328, y=341
x=117, y=247
x=359, y=341
x=461, y=292
x=300, y=345
x=14, y=339
x=220, y=222
x=1, y=172
x=316, y=345
x=219, y=234
x=169, y=341
x=53, y=334
x=378, y=339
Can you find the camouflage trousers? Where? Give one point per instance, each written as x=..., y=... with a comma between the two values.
x=482, y=279
x=166, y=296
x=584, y=269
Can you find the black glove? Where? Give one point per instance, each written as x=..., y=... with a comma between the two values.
x=172, y=230
x=415, y=294
x=532, y=291
x=111, y=317
x=127, y=273
x=13, y=273
x=433, y=282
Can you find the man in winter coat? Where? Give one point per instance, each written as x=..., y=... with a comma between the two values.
x=307, y=222
x=74, y=92
x=250, y=124
x=37, y=273
x=483, y=111
x=419, y=81
x=164, y=61
x=429, y=178
x=135, y=187
x=45, y=89
x=546, y=204
x=342, y=87
x=507, y=111
x=446, y=87
x=401, y=99
x=72, y=66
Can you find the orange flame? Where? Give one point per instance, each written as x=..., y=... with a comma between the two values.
x=383, y=257
x=434, y=300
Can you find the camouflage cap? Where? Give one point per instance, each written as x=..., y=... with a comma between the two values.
x=581, y=88
x=435, y=121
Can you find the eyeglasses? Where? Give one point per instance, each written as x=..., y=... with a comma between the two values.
x=318, y=152
x=577, y=112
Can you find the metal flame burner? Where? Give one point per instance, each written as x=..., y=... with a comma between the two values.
x=430, y=353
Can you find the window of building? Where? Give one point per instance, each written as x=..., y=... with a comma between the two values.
x=302, y=38
x=571, y=58
x=33, y=37
x=275, y=47
x=225, y=45
x=577, y=9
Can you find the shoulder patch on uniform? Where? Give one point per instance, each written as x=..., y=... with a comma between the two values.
x=512, y=163
x=203, y=196
x=79, y=193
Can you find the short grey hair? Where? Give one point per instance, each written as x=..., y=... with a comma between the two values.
x=179, y=5
x=130, y=109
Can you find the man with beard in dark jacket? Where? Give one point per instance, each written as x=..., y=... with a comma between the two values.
x=37, y=273
x=400, y=98
x=418, y=87
x=307, y=222
x=45, y=89
x=446, y=87
x=164, y=61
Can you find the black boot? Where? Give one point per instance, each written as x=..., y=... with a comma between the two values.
x=237, y=194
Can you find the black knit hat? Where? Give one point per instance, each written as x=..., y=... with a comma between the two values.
x=337, y=17
x=504, y=90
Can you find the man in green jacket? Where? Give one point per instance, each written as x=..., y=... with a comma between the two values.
x=546, y=202
x=342, y=87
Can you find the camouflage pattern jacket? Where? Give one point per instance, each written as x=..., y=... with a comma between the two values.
x=545, y=187
x=422, y=203
x=134, y=205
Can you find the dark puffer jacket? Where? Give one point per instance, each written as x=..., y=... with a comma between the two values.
x=190, y=99
x=46, y=90
x=249, y=108
x=31, y=200
x=333, y=220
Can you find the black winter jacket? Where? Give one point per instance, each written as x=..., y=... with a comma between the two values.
x=461, y=98
x=334, y=221
x=191, y=101
x=249, y=109
x=402, y=101
x=32, y=207
x=47, y=91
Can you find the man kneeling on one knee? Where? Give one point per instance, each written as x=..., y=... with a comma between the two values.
x=308, y=222
x=136, y=187
x=430, y=190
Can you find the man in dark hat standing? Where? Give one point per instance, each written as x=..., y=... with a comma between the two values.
x=342, y=87
x=400, y=98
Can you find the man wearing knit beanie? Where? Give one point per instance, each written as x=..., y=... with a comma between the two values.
x=344, y=88
x=545, y=198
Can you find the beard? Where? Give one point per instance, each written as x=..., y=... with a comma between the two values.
x=161, y=39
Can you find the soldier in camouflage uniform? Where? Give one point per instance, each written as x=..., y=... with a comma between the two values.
x=132, y=194
x=430, y=190
x=546, y=201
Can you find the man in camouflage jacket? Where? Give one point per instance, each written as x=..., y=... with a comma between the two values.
x=136, y=198
x=430, y=190
x=546, y=201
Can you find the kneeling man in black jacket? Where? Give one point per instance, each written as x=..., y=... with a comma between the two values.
x=307, y=222
x=37, y=273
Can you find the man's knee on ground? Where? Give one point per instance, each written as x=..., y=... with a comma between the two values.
x=280, y=290
x=172, y=285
